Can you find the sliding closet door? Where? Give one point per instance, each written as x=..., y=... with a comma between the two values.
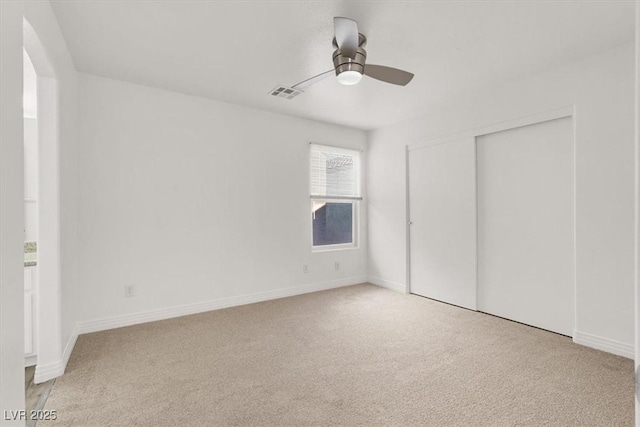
x=525, y=225
x=442, y=208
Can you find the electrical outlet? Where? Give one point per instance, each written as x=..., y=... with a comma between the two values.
x=129, y=291
x=305, y=268
x=337, y=266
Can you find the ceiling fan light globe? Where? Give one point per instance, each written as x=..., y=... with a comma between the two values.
x=349, y=77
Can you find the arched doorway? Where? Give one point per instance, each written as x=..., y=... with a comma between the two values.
x=47, y=306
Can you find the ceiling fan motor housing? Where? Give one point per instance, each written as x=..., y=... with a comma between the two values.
x=344, y=63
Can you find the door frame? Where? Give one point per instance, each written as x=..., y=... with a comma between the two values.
x=47, y=307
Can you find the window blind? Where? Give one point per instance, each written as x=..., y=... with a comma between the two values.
x=335, y=173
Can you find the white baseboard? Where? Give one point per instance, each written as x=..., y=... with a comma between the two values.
x=55, y=369
x=30, y=360
x=394, y=286
x=187, y=309
x=604, y=344
x=46, y=372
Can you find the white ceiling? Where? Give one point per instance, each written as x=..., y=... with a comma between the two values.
x=237, y=51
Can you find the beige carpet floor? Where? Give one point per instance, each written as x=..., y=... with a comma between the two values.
x=359, y=355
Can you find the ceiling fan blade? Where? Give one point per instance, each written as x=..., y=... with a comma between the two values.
x=346, y=31
x=388, y=74
x=312, y=80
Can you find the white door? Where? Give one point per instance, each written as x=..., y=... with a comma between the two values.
x=525, y=225
x=442, y=208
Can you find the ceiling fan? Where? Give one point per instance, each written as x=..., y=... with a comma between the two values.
x=349, y=59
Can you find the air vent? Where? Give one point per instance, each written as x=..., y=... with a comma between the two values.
x=285, y=92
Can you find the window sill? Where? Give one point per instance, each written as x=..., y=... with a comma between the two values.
x=331, y=248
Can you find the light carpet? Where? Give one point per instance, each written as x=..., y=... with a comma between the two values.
x=359, y=355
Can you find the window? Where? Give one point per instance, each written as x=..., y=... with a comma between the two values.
x=335, y=193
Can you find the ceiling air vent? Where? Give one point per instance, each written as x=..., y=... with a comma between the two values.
x=285, y=92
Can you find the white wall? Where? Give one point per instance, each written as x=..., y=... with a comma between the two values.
x=66, y=84
x=11, y=211
x=43, y=21
x=57, y=187
x=602, y=90
x=192, y=200
x=637, y=218
x=30, y=130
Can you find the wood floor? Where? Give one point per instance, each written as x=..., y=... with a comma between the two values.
x=35, y=394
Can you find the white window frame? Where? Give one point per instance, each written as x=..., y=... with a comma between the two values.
x=355, y=226
x=355, y=211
